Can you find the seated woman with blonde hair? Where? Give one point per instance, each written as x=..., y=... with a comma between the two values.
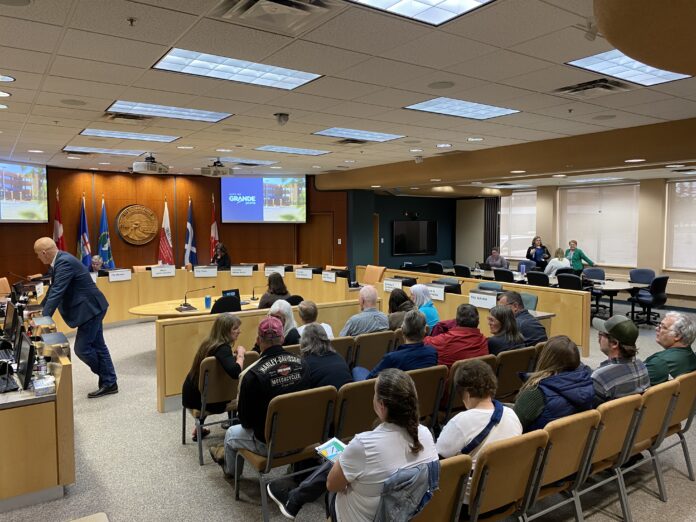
x=218, y=344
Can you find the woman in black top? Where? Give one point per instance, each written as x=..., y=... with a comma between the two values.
x=538, y=253
x=221, y=257
x=218, y=344
x=276, y=290
x=504, y=332
x=399, y=304
x=326, y=367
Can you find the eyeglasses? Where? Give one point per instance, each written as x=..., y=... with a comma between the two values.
x=662, y=327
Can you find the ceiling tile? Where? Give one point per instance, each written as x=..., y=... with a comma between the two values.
x=53, y=12
x=622, y=119
x=547, y=80
x=492, y=94
x=499, y=65
x=311, y=57
x=185, y=6
x=33, y=36
x=638, y=96
x=674, y=109
x=220, y=105
x=393, y=98
x=56, y=112
x=532, y=102
x=338, y=88
x=383, y=72
x=358, y=110
x=67, y=67
x=563, y=46
x=243, y=92
x=17, y=95
x=685, y=88
x=104, y=48
x=78, y=88
x=22, y=60
x=584, y=8
x=569, y=110
x=158, y=97
x=438, y=50
x=460, y=84
x=297, y=100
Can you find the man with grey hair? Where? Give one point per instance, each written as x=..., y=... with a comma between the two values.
x=675, y=333
x=369, y=319
x=309, y=312
x=411, y=355
x=325, y=366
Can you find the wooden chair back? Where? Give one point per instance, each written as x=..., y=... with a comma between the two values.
x=371, y=347
x=373, y=274
x=618, y=418
x=454, y=403
x=293, y=348
x=345, y=346
x=686, y=403
x=354, y=411
x=658, y=401
x=510, y=364
x=430, y=385
x=446, y=504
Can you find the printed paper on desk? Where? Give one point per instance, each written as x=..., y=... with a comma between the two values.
x=39, y=290
x=163, y=271
x=204, y=271
x=437, y=292
x=331, y=449
x=303, y=273
x=242, y=271
x=328, y=276
x=392, y=284
x=123, y=274
x=271, y=269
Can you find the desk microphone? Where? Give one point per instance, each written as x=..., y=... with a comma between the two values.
x=253, y=295
x=185, y=306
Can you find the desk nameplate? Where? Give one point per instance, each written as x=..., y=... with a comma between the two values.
x=303, y=273
x=204, y=271
x=120, y=275
x=163, y=271
x=271, y=269
x=482, y=299
x=328, y=276
x=437, y=292
x=392, y=284
x=242, y=271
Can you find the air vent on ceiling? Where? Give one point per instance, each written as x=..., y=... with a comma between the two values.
x=289, y=17
x=351, y=141
x=593, y=89
x=131, y=119
x=75, y=153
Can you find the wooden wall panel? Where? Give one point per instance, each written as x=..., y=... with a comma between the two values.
x=273, y=243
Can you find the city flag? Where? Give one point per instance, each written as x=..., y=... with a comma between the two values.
x=104, y=242
x=190, y=255
x=58, y=226
x=214, y=238
x=84, y=251
x=166, y=250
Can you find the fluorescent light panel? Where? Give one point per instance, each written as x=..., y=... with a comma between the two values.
x=433, y=12
x=129, y=135
x=339, y=132
x=165, y=111
x=593, y=180
x=461, y=108
x=230, y=159
x=617, y=64
x=292, y=150
x=224, y=68
x=95, y=150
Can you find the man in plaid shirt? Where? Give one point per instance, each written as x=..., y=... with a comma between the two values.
x=622, y=373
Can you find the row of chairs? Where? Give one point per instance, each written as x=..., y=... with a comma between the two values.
x=559, y=458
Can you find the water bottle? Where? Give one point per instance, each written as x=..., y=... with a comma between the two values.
x=523, y=269
x=208, y=301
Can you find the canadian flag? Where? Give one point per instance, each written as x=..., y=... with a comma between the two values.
x=58, y=226
x=166, y=249
x=214, y=238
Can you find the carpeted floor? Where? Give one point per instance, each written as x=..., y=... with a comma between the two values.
x=132, y=466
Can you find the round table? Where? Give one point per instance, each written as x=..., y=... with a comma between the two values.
x=167, y=309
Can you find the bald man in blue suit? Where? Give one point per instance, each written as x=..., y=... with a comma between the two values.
x=82, y=306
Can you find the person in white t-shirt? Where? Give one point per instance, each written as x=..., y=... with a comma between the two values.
x=308, y=314
x=559, y=261
x=478, y=385
x=357, y=477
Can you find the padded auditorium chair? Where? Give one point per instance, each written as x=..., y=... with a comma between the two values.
x=430, y=385
x=510, y=364
x=344, y=346
x=228, y=303
x=462, y=271
x=371, y=347
x=682, y=417
x=504, y=275
x=355, y=412
x=655, y=295
x=446, y=504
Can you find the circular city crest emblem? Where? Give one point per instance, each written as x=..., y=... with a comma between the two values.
x=136, y=224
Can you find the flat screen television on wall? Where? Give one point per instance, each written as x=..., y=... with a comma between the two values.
x=23, y=193
x=264, y=199
x=414, y=238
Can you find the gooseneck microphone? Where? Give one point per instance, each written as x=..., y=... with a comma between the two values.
x=253, y=294
x=185, y=306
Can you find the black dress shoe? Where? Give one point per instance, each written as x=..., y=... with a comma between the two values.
x=103, y=390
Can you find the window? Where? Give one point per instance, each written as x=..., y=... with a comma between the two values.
x=603, y=220
x=680, y=233
x=517, y=223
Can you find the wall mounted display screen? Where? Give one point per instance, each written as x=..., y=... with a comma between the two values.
x=413, y=238
x=263, y=200
x=23, y=195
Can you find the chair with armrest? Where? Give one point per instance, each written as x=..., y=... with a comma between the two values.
x=354, y=410
x=510, y=364
x=565, y=271
x=528, y=265
x=489, y=285
x=454, y=401
x=447, y=265
x=462, y=271
x=569, y=281
x=498, y=486
x=504, y=275
x=430, y=385
x=435, y=267
x=311, y=409
x=682, y=417
x=654, y=296
x=537, y=278
x=344, y=346
x=293, y=349
x=335, y=267
x=373, y=274
x=227, y=303
x=371, y=347
x=597, y=274
x=446, y=504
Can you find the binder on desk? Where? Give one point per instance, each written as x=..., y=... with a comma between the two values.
x=55, y=339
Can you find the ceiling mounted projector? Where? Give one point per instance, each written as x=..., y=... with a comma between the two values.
x=216, y=170
x=150, y=166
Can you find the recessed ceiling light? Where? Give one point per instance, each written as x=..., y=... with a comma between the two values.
x=35, y=151
x=461, y=108
x=348, y=161
x=617, y=64
x=166, y=111
x=247, y=161
x=435, y=180
x=104, y=163
x=4, y=94
x=185, y=147
x=162, y=138
x=433, y=12
x=594, y=180
x=5, y=78
x=3, y=106
x=356, y=134
x=223, y=150
x=74, y=157
x=559, y=175
x=316, y=166
x=292, y=150
x=96, y=150
x=276, y=167
x=634, y=160
x=224, y=68
x=518, y=172
x=444, y=145
x=416, y=150
x=676, y=166
x=474, y=139
x=375, y=186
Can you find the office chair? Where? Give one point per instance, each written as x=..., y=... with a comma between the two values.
x=447, y=264
x=435, y=267
x=537, y=279
x=294, y=300
x=648, y=298
x=462, y=271
x=598, y=274
x=643, y=276
x=569, y=282
x=504, y=275
x=528, y=265
x=565, y=271
x=230, y=303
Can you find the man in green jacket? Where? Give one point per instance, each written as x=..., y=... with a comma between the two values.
x=675, y=334
x=576, y=257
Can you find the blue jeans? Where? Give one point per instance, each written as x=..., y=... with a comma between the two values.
x=92, y=350
x=360, y=373
x=238, y=437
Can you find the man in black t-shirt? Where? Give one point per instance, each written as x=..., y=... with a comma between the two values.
x=276, y=372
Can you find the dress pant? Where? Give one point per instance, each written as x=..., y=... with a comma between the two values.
x=92, y=350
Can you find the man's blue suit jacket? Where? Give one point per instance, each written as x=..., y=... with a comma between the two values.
x=73, y=292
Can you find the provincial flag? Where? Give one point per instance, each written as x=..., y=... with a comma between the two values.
x=84, y=251
x=214, y=238
x=166, y=250
x=190, y=254
x=104, y=242
x=58, y=226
